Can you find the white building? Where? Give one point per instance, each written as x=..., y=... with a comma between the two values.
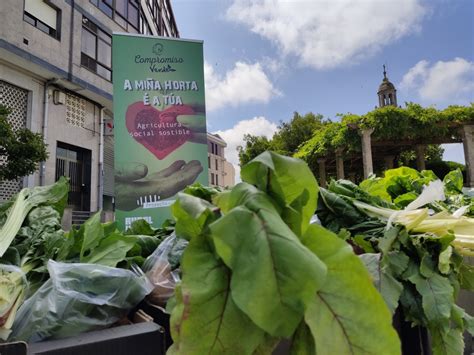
x=221, y=172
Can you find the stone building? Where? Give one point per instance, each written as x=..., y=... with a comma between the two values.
x=387, y=93
x=55, y=74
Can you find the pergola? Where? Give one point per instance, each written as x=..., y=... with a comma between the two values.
x=385, y=151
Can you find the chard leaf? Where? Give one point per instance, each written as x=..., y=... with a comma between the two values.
x=376, y=187
x=288, y=181
x=390, y=236
x=466, y=277
x=244, y=194
x=274, y=276
x=267, y=346
x=93, y=234
x=453, y=182
x=427, y=266
x=462, y=320
x=444, y=260
x=437, y=296
x=386, y=284
x=140, y=226
x=192, y=215
x=410, y=300
x=447, y=341
x=405, y=199
x=205, y=319
x=397, y=261
x=340, y=207
x=335, y=316
x=110, y=251
x=303, y=341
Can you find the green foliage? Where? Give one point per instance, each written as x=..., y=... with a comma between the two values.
x=419, y=272
x=433, y=154
x=403, y=185
x=390, y=123
x=254, y=146
x=289, y=136
x=255, y=271
x=22, y=148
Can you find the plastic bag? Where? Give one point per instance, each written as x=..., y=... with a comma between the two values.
x=161, y=268
x=79, y=298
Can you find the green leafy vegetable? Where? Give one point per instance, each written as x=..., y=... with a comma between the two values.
x=25, y=201
x=334, y=318
x=415, y=259
x=248, y=279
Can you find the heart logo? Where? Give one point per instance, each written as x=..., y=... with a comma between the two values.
x=158, y=131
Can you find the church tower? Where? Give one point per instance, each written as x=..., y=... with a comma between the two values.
x=387, y=93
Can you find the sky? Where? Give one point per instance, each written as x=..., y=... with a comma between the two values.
x=266, y=59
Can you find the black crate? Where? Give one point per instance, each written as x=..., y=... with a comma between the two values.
x=136, y=339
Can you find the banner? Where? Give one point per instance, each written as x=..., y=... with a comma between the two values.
x=159, y=124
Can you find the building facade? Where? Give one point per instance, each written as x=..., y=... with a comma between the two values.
x=56, y=76
x=221, y=172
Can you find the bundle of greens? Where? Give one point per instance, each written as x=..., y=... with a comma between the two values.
x=416, y=259
x=255, y=271
x=78, y=298
x=403, y=185
x=31, y=235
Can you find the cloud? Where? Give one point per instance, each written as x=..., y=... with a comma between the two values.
x=245, y=83
x=330, y=33
x=450, y=82
x=234, y=137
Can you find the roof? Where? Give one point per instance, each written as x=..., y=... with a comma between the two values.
x=386, y=85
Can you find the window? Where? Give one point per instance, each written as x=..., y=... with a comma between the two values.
x=217, y=179
x=209, y=161
x=43, y=16
x=96, y=49
x=124, y=12
x=212, y=178
x=217, y=167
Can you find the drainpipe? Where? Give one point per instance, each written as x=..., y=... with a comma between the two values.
x=44, y=128
x=100, y=202
x=71, y=40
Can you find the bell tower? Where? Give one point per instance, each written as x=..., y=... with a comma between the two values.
x=387, y=92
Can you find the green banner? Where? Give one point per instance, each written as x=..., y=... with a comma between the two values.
x=159, y=124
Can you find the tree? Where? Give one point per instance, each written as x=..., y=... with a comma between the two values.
x=287, y=139
x=254, y=146
x=291, y=135
x=22, y=149
x=433, y=153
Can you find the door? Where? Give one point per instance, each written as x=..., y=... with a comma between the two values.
x=75, y=163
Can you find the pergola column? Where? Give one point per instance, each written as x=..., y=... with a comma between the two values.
x=339, y=165
x=389, y=161
x=367, y=151
x=420, y=157
x=468, y=143
x=322, y=172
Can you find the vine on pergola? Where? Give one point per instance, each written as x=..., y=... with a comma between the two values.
x=391, y=125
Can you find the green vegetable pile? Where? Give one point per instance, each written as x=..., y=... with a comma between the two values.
x=31, y=235
x=414, y=254
x=256, y=271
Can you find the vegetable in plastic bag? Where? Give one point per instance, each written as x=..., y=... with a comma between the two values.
x=161, y=267
x=79, y=298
